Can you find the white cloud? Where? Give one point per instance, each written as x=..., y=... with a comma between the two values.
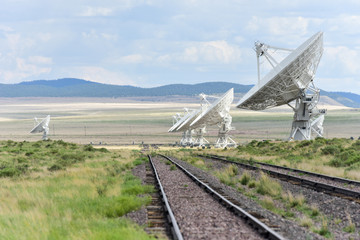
x=6, y=28
x=96, y=11
x=281, y=26
x=101, y=75
x=45, y=37
x=349, y=24
x=135, y=58
x=19, y=69
x=339, y=84
x=40, y=60
x=30, y=69
x=93, y=34
x=342, y=59
x=219, y=52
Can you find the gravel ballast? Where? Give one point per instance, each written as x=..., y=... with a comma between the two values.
x=199, y=216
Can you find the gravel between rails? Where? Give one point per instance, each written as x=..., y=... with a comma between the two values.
x=286, y=228
x=313, y=178
x=333, y=207
x=199, y=216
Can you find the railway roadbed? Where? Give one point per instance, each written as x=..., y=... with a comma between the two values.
x=198, y=214
x=350, y=189
x=284, y=227
x=333, y=217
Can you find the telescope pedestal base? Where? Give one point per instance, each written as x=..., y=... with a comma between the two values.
x=200, y=140
x=187, y=139
x=301, y=130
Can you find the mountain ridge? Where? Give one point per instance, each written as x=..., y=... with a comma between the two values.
x=74, y=87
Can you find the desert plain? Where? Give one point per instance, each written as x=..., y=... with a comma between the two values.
x=132, y=121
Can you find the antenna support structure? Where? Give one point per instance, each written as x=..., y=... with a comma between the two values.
x=308, y=119
x=224, y=139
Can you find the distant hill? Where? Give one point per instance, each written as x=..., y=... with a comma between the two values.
x=73, y=87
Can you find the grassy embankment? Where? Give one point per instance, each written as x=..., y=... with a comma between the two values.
x=59, y=190
x=338, y=157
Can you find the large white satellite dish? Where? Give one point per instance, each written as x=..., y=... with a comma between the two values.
x=289, y=80
x=179, y=119
x=42, y=126
x=183, y=124
x=218, y=113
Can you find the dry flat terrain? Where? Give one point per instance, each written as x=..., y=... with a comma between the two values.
x=124, y=121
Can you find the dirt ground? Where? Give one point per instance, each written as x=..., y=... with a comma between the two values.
x=133, y=121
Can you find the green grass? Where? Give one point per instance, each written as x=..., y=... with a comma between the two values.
x=82, y=200
x=268, y=186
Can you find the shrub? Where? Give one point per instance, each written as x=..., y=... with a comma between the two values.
x=314, y=210
x=9, y=172
x=268, y=186
x=245, y=178
x=346, y=158
x=115, y=168
x=324, y=229
x=304, y=143
x=330, y=150
x=252, y=184
x=56, y=167
x=305, y=221
x=101, y=189
x=350, y=228
x=268, y=203
x=232, y=170
x=140, y=160
x=89, y=148
x=104, y=150
x=298, y=200
x=124, y=204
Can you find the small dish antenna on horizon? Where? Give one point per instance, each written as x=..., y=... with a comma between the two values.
x=291, y=80
x=41, y=126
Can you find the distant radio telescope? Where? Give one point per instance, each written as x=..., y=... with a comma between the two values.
x=42, y=126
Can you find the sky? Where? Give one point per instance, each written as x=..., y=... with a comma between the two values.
x=151, y=43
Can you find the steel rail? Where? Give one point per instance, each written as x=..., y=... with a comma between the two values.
x=337, y=179
x=251, y=220
x=172, y=221
x=322, y=187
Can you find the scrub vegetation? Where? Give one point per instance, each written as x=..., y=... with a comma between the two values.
x=270, y=195
x=336, y=157
x=60, y=190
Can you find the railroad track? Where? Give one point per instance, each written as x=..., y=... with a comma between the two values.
x=284, y=173
x=161, y=220
x=256, y=226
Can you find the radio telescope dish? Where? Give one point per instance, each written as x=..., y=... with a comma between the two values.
x=289, y=80
x=285, y=81
x=218, y=113
x=180, y=119
x=183, y=124
x=42, y=126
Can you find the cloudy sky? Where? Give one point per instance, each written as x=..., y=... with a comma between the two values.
x=155, y=42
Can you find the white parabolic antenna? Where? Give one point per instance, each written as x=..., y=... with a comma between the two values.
x=183, y=124
x=218, y=113
x=207, y=115
x=42, y=126
x=289, y=80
